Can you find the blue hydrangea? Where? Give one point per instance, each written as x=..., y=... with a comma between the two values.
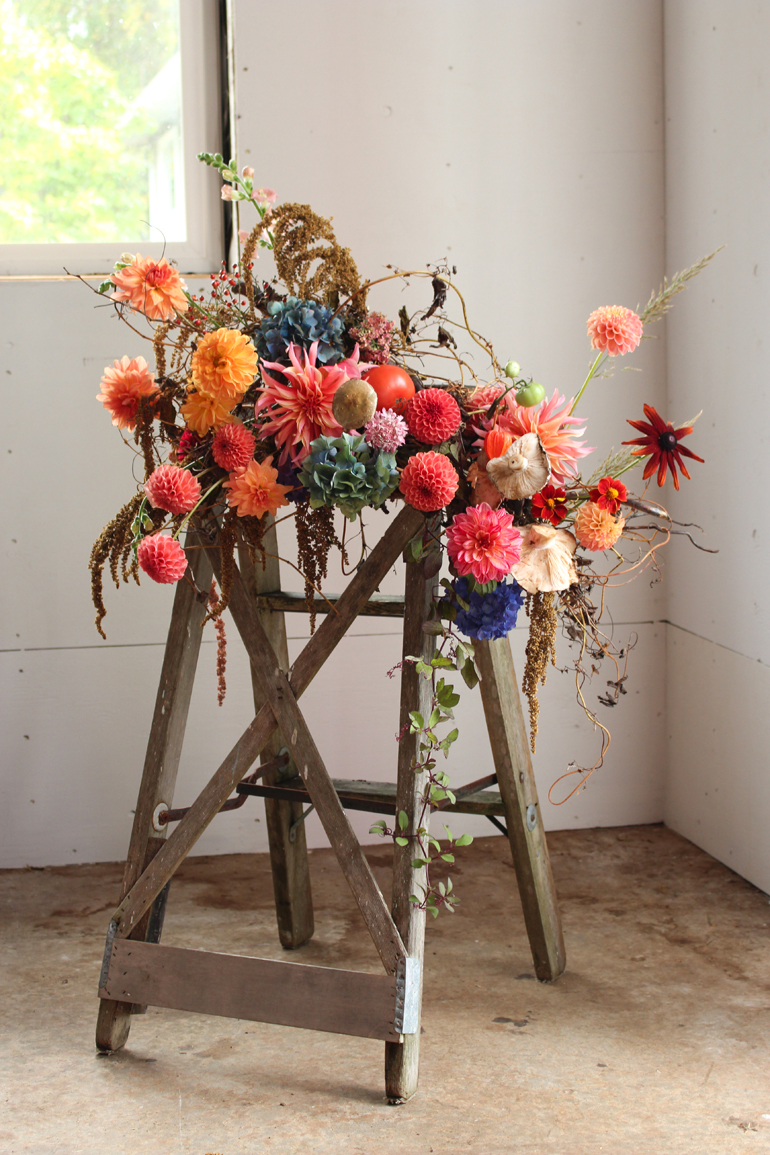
x=296, y=322
x=489, y=615
x=347, y=473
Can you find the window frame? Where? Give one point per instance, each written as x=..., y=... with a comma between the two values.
x=202, y=96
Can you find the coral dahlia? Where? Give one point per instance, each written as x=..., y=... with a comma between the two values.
x=233, y=447
x=299, y=408
x=596, y=528
x=614, y=330
x=203, y=413
x=429, y=481
x=151, y=287
x=433, y=415
x=483, y=542
x=172, y=489
x=224, y=365
x=161, y=558
x=256, y=491
x=123, y=386
x=552, y=422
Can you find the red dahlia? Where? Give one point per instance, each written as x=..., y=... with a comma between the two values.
x=433, y=415
x=429, y=481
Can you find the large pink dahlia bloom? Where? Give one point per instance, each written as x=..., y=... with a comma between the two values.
x=614, y=330
x=300, y=408
x=483, y=542
x=161, y=558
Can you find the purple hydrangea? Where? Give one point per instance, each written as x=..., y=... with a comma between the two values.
x=489, y=615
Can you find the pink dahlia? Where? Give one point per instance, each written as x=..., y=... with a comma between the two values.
x=123, y=386
x=386, y=430
x=299, y=408
x=551, y=421
x=596, y=528
x=429, y=481
x=161, y=558
x=151, y=287
x=433, y=415
x=172, y=489
x=614, y=330
x=482, y=397
x=233, y=447
x=483, y=542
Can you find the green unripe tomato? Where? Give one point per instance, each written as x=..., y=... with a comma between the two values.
x=512, y=370
x=530, y=395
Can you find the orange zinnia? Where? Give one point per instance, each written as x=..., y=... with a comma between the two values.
x=203, y=413
x=151, y=287
x=224, y=365
x=255, y=490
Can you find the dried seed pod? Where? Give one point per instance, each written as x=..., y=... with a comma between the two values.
x=354, y=404
x=523, y=469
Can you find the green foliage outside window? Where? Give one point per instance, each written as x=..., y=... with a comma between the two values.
x=75, y=148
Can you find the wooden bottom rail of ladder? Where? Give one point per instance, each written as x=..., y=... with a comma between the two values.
x=372, y=1006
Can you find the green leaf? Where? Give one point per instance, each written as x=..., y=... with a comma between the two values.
x=469, y=675
x=403, y=820
x=417, y=863
x=417, y=721
x=448, y=857
x=434, y=719
x=442, y=889
x=106, y=286
x=435, y=629
x=464, y=840
x=437, y=794
x=401, y=841
x=414, y=900
x=451, y=796
x=377, y=828
x=434, y=911
x=442, y=663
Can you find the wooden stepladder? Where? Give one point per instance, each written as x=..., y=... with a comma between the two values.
x=138, y=970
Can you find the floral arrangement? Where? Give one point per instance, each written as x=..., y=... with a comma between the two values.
x=292, y=398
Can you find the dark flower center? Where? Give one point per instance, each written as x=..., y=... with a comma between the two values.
x=667, y=441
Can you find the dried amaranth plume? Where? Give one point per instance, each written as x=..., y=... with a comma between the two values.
x=541, y=649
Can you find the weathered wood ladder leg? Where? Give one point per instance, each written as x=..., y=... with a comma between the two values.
x=161, y=764
x=285, y=829
x=402, y=1059
x=510, y=752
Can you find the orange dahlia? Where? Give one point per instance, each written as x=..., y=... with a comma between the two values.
x=123, y=386
x=151, y=287
x=596, y=528
x=224, y=365
x=255, y=490
x=203, y=413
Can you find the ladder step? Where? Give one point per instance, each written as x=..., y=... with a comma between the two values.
x=288, y=602
x=373, y=797
x=262, y=990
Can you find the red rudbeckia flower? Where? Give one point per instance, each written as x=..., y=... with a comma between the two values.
x=661, y=444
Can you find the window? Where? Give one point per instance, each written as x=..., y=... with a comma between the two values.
x=103, y=107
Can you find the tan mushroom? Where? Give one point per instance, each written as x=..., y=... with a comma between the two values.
x=546, y=563
x=354, y=403
x=523, y=469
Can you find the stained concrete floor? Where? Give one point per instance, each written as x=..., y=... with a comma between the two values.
x=654, y=1042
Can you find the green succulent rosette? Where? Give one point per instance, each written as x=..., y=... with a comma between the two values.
x=347, y=473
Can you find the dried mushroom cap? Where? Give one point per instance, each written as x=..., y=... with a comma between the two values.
x=546, y=563
x=522, y=470
x=354, y=403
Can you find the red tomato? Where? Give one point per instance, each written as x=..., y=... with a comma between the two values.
x=393, y=386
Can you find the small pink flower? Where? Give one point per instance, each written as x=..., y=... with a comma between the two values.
x=266, y=196
x=172, y=489
x=483, y=542
x=248, y=172
x=227, y=192
x=614, y=330
x=387, y=430
x=243, y=236
x=161, y=558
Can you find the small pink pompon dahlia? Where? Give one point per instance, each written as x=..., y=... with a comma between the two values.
x=123, y=386
x=233, y=447
x=172, y=489
x=596, y=529
x=614, y=330
x=299, y=408
x=161, y=558
x=151, y=287
x=428, y=481
x=386, y=430
x=483, y=542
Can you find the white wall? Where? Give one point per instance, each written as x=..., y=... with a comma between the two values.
x=525, y=143
x=718, y=192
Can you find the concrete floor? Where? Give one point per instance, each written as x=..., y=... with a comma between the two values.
x=653, y=1043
